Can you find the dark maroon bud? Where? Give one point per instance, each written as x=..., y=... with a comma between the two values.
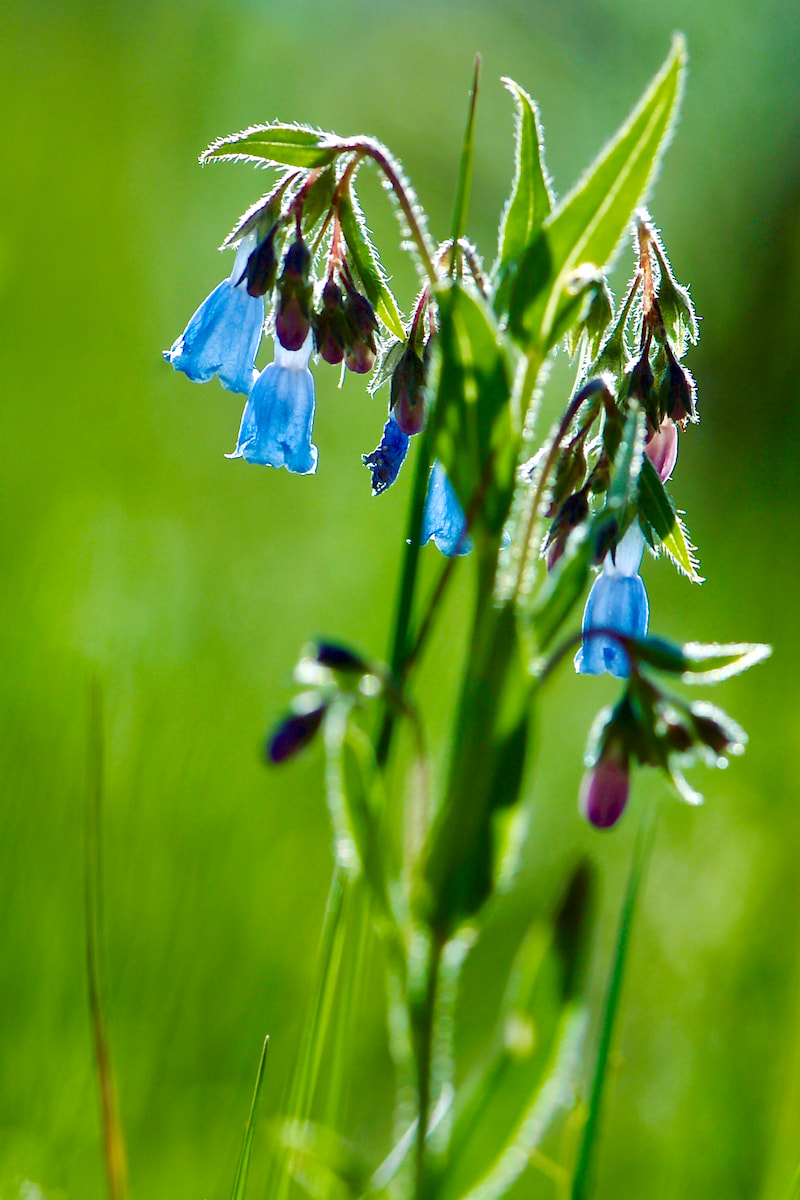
x=570, y=515
x=362, y=322
x=292, y=323
x=339, y=658
x=677, y=736
x=408, y=400
x=361, y=318
x=331, y=330
x=676, y=393
x=295, y=732
x=262, y=267
x=296, y=263
x=605, y=788
x=719, y=733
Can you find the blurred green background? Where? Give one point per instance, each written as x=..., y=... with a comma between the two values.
x=134, y=553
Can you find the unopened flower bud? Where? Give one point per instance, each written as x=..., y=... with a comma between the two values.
x=676, y=393
x=572, y=513
x=293, y=315
x=661, y=448
x=262, y=266
x=298, y=729
x=331, y=329
x=408, y=393
x=605, y=788
x=363, y=323
x=339, y=658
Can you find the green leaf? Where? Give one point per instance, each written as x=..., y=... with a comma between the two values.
x=318, y=198
x=240, y=1182
x=476, y=435
x=503, y=1111
x=711, y=663
x=461, y=206
x=662, y=522
x=487, y=761
x=367, y=264
x=276, y=145
x=588, y=224
x=530, y=201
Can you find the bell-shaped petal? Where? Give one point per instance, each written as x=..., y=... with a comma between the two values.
x=443, y=518
x=388, y=457
x=223, y=336
x=617, y=601
x=279, y=415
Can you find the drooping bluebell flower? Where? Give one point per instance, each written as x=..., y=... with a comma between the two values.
x=388, y=456
x=223, y=336
x=618, y=601
x=279, y=415
x=443, y=518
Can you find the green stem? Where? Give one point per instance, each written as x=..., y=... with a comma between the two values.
x=423, y=1026
x=641, y=853
x=408, y=583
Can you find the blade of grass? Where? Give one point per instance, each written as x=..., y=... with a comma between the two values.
x=641, y=854
x=240, y=1182
x=113, y=1138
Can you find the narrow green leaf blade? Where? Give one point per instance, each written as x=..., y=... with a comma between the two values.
x=658, y=513
x=588, y=225
x=276, y=145
x=240, y=1182
x=368, y=265
x=530, y=201
x=504, y=1110
x=712, y=663
x=461, y=206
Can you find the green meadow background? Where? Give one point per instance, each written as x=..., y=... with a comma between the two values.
x=135, y=555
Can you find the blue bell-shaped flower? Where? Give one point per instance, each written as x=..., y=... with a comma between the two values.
x=388, y=456
x=279, y=415
x=617, y=601
x=223, y=336
x=443, y=518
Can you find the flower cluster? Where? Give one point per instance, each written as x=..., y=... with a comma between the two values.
x=274, y=281
x=649, y=392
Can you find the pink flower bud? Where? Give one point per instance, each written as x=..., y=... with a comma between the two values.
x=604, y=790
x=662, y=448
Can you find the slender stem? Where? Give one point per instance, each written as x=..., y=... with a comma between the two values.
x=423, y=1023
x=589, y=389
x=641, y=853
x=407, y=586
x=113, y=1139
x=405, y=197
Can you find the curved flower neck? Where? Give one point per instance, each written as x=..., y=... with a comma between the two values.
x=628, y=555
x=243, y=251
x=294, y=360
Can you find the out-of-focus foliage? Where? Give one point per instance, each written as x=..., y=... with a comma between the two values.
x=134, y=553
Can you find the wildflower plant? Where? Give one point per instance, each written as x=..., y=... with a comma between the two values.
x=540, y=522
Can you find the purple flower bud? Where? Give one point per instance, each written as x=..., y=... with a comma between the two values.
x=262, y=267
x=362, y=322
x=662, y=448
x=331, y=330
x=677, y=392
x=293, y=315
x=339, y=658
x=408, y=393
x=295, y=731
x=605, y=787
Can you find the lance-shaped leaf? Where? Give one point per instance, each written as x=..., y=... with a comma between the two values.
x=503, y=1111
x=476, y=436
x=698, y=662
x=276, y=145
x=487, y=761
x=662, y=523
x=367, y=264
x=530, y=200
x=588, y=224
